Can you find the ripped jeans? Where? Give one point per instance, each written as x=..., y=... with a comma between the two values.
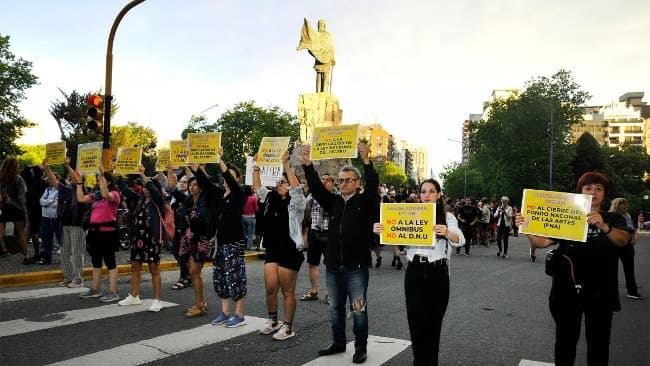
x=343, y=283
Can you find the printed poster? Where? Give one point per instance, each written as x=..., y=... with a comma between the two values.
x=203, y=147
x=178, y=153
x=408, y=223
x=89, y=157
x=270, y=175
x=334, y=142
x=55, y=152
x=271, y=151
x=558, y=215
x=162, y=159
x=128, y=160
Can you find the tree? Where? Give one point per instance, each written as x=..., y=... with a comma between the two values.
x=133, y=135
x=71, y=117
x=589, y=156
x=391, y=174
x=32, y=155
x=453, y=181
x=15, y=78
x=243, y=127
x=511, y=148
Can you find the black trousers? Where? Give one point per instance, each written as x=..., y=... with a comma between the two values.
x=626, y=254
x=568, y=323
x=426, y=287
x=503, y=232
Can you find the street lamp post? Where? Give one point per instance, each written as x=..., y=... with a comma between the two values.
x=464, y=158
x=550, y=152
x=645, y=199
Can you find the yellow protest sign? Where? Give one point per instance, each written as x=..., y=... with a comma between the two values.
x=408, y=223
x=162, y=160
x=89, y=157
x=334, y=142
x=128, y=160
x=178, y=153
x=558, y=215
x=271, y=151
x=55, y=152
x=203, y=147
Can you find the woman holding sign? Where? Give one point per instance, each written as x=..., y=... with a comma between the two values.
x=283, y=242
x=201, y=216
x=585, y=277
x=426, y=282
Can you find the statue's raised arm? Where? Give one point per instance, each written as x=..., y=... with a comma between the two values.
x=321, y=47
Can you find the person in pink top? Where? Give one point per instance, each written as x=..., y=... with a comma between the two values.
x=102, y=239
x=248, y=216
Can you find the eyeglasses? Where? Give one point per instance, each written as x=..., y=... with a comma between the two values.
x=346, y=180
x=281, y=182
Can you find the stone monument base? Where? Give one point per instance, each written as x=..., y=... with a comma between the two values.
x=317, y=110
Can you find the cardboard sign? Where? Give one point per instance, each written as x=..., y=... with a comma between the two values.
x=334, y=142
x=162, y=159
x=203, y=147
x=408, y=223
x=269, y=175
x=89, y=157
x=55, y=152
x=558, y=215
x=128, y=160
x=178, y=153
x=271, y=151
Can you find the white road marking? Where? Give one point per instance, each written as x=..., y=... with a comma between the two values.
x=157, y=348
x=534, y=363
x=19, y=326
x=39, y=293
x=380, y=350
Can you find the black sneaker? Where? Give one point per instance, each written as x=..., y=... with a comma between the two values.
x=333, y=348
x=360, y=355
x=636, y=296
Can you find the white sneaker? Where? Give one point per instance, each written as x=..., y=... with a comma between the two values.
x=156, y=305
x=284, y=333
x=269, y=328
x=130, y=300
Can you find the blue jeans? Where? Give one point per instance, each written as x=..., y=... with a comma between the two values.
x=248, y=223
x=49, y=228
x=351, y=283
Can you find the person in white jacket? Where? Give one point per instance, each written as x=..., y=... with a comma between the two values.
x=426, y=281
x=503, y=217
x=283, y=242
x=50, y=226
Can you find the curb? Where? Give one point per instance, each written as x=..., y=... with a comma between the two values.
x=34, y=278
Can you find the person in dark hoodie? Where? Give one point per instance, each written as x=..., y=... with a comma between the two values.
x=347, y=255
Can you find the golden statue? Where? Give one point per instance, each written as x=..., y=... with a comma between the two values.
x=320, y=45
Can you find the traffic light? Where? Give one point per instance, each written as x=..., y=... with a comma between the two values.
x=96, y=113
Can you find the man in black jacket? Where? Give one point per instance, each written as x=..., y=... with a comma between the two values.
x=347, y=255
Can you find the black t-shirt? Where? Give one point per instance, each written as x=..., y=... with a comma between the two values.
x=468, y=213
x=595, y=267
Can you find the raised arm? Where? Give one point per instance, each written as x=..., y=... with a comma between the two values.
x=318, y=190
x=50, y=175
x=369, y=173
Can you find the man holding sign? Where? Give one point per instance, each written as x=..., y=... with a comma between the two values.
x=347, y=255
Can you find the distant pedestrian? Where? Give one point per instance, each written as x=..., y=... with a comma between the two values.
x=426, y=282
x=503, y=218
x=50, y=227
x=33, y=176
x=468, y=217
x=626, y=253
x=347, y=256
x=13, y=205
x=285, y=209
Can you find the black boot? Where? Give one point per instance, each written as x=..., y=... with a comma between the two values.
x=399, y=264
x=394, y=261
x=360, y=354
x=378, y=264
x=333, y=348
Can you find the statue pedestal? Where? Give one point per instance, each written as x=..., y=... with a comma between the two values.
x=317, y=110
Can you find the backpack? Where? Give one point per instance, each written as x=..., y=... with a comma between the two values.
x=167, y=222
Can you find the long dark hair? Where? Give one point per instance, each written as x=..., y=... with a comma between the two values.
x=9, y=171
x=441, y=211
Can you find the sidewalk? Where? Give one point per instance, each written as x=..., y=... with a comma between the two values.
x=14, y=273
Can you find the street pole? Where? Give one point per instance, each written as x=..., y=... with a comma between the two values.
x=550, y=158
x=106, y=146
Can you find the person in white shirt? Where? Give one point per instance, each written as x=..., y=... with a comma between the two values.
x=426, y=282
x=503, y=217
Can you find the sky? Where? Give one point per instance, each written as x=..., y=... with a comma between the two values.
x=417, y=67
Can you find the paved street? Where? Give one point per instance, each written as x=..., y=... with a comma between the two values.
x=497, y=315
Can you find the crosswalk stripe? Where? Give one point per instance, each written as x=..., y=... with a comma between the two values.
x=157, y=348
x=533, y=363
x=380, y=350
x=19, y=326
x=39, y=293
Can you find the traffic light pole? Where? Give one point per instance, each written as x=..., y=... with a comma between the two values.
x=106, y=147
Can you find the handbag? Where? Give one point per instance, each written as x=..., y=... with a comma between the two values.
x=85, y=220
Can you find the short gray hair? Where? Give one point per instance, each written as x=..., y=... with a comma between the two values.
x=350, y=168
